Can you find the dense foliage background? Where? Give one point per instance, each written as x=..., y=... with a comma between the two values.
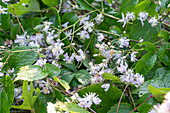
x=82, y=56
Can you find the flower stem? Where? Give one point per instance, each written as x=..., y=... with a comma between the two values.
x=121, y=98
x=133, y=103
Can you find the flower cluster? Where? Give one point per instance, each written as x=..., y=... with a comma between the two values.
x=87, y=101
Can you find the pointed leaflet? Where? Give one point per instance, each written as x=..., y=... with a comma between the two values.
x=83, y=76
x=3, y=102
x=52, y=70
x=29, y=96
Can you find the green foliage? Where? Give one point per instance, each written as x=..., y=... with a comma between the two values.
x=109, y=76
x=31, y=73
x=146, y=63
x=19, y=9
x=52, y=70
x=164, y=34
x=108, y=98
x=150, y=47
x=50, y=2
x=24, y=56
x=29, y=96
x=70, y=107
x=69, y=66
x=83, y=76
x=83, y=5
x=128, y=5
x=3, y=102
x=5, y=21
x=124, y=108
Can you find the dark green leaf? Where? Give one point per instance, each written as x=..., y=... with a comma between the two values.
x=83, y=76
x=69, y=66
x=5, y=21
x=123, y=108
x=150, y=47
x=164, y=34
x=4, y=102
x=52, y=70
x=83, y=5
x=50, y=2
x=145, y=64
x=128, y=5
x=107, y=98
x=110, y=1
x=66, y=75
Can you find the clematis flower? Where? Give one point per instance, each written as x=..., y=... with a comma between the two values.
x=100, y=37
x=153, y=21
x=142, y=17
x=106, y=86
x=124, y=20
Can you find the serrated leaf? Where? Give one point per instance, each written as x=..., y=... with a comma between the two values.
x=107, y=98
x=70, y=107
x=158, y=93
x=164, y=34
x=4, y=102
x=19, y=59
x=9, y=90
x=145, y=64
x=109, y=76
x=5, y=21
x=32, y=6
x=31, y=73
x=146, y=32
x=62, y=82
x=150, y=47
x=29, y=96
x=50, y=2
x=123, y=108
x=83, y=76
x=52, y=70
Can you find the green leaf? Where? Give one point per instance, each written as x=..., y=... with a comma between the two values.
x=55, y=18
x=161, y=79
x=83, y=76
x=29, y=96
x=107, y=98
x=71, y=18
x=83, y=5
x=145, y=64
x=164, y=34
x=69, y=66
x=123, y=108
x=4, y=102
x=31, y=73
x=70, y=107
x=147, y=6
x=109, y=76
x=9, y=90
x=158, y=93
x=62, y=82
x=52, y=70
x=32, y=6
x=66, y=75
x=144, y=108
x=13, y=31
x=146, y=32
x=19, y=59
x=110, y=1
x=162, y=56
x=150, y=47
x=5, y=21
x=50, y=2
x=128, y=5
x=30, y=23
x=115, y=30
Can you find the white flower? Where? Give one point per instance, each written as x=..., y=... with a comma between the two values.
x=2, y=10
x=122, y=67
x=133, y=57
x=124, y=20
x=153, y=21
x=68, y=34
x=47, y=26
x=88, y=26
x=84, y=34
x=142, y=17
x=100, y=37
x=99, y=18
x=21, y=39
x=85, y=19
x=81, y=56
x=41, y=62
x=130, y=16
x=65, y=25
x=106, y=86
x=24, y=4
x=50, y=108
x=92, y=98
x=96, y=79
x=123, y=42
